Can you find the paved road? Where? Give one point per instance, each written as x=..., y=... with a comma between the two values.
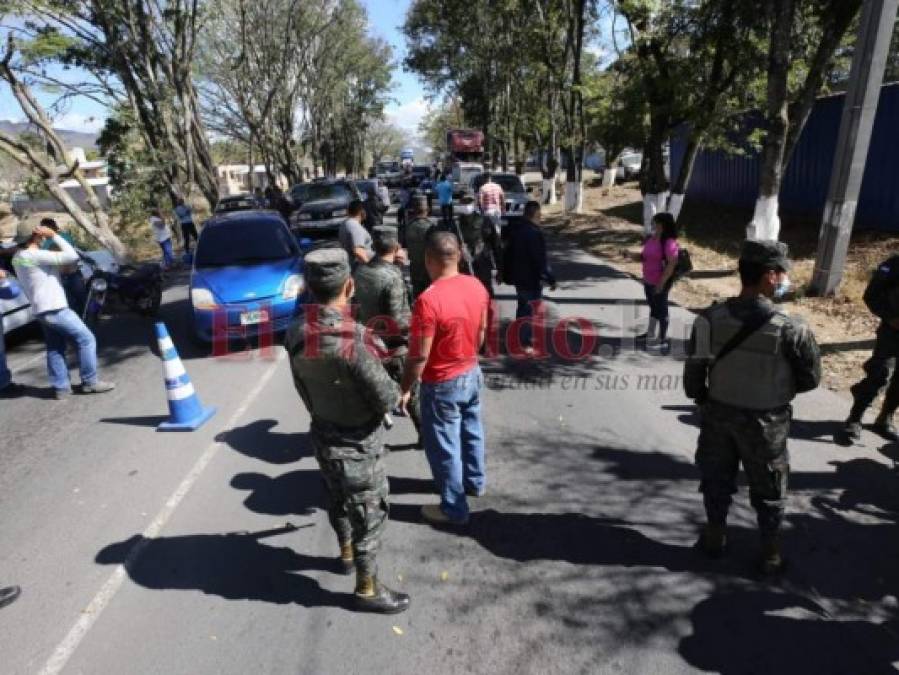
x=577, y=561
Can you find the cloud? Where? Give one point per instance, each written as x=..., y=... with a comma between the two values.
x=72, y=121
x=407, y=115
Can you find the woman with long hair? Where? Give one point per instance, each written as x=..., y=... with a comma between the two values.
x=659, y=257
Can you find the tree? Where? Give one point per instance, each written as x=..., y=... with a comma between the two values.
x=803, y=39
x=383, y=138
x=140, y=53
x=53, y=165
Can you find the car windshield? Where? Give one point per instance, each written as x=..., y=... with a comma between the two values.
x=507, y=183
x=298, y=192
x=366, y=186
x=320, y=191
x=244, y=242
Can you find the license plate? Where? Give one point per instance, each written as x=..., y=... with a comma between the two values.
x=257, y=316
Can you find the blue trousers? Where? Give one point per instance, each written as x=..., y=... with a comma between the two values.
x=60, y=327
x=453, y=435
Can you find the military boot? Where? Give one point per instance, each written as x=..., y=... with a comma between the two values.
x=772, y=561
x=713, y=541
x=373, y=596
x=347, y=562
x=883, y=426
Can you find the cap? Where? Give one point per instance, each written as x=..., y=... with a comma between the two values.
x=24, y=232
x=769, y=253
x=326, y=269
x=385, y=234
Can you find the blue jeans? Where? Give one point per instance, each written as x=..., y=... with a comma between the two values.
x=60, y=326
x=454, y=438
x=526, y=296
x=5, y=375
x=168, y=256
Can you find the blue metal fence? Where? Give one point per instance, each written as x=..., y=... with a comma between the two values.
x=724, y=178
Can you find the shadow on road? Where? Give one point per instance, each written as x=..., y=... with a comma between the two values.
x=234, y=566
x=257, y=440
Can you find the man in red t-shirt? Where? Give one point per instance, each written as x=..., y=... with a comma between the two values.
x=449, y=322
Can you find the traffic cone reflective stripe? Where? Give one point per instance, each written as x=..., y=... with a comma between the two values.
x=186, y=413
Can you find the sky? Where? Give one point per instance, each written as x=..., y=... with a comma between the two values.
x=385, y=19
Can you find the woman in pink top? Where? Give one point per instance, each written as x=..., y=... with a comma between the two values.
x=659, y=258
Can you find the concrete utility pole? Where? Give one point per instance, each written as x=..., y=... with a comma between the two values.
x=872, y=47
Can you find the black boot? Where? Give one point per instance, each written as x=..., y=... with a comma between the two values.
x=382, y=600
x=772, y=561
x=713, y=541
x=852, y=427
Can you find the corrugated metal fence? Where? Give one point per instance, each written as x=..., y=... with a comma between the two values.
x=724, y=178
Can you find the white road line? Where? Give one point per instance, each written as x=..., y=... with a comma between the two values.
x=91, y=613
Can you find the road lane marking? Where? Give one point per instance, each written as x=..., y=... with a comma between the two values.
x=91, y=613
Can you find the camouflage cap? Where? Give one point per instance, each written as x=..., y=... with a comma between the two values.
x=768, y=253
x=326, y=269
x=385, y=234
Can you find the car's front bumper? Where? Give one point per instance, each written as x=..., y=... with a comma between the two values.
x=225, y=322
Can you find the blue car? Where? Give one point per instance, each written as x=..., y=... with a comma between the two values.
x=247, y=276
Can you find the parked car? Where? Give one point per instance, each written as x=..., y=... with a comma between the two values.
x=247, y=276
x=516, y=193
x=242, y=202
x=324, y=208
x=298, y=194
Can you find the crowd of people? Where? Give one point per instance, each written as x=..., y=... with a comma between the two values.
x=746, y=359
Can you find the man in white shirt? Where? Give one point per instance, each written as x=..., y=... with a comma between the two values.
x=38, y=275
x=186, y=218
x=163, y=236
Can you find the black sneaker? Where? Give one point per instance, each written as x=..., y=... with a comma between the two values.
x=850, y=433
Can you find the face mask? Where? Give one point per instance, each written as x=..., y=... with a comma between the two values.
x=466, y=209
x=782, y=288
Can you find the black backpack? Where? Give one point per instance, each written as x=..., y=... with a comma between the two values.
x=683, y=267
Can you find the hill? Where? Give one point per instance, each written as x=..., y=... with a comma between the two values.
x=72, y=139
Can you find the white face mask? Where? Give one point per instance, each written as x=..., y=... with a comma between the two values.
x=466, y=209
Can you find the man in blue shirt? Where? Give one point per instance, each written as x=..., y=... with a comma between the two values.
x=445, y=196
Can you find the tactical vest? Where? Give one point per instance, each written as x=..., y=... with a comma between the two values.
x=368, y=289
x=470, y=227
x=326, y=384
x=756, y=375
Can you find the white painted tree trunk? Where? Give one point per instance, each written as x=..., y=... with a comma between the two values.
x=574, y=197
x=675, y=203
x=549, y=191
x=653, y=204
x=608, y=176
x=765, y=221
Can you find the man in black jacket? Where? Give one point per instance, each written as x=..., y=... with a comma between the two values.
x=526, y=267
x=882, y=298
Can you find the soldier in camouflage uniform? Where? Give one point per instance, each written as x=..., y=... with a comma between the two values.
x=482, y=244
x=746, y=361
x=381, y=293
x=347, y=392
x=418, y=226
x=882, y=298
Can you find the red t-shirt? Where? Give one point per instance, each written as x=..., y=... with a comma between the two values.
x=450, y=311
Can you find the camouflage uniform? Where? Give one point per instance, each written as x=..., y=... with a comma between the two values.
x=745, y=403
x=882, y=298
x=381, y=292
x=482, y=245
x=417, y=232
x=347, y=393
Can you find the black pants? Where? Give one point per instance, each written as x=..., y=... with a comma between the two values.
x=658, y=307
x=446, y=212
x=879, y=369
x=188, y=230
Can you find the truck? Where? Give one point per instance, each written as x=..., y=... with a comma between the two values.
x=389, y=172
x=407, y=159
x=465, y=154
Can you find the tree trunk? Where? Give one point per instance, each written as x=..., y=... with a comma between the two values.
x=684, y=173
x=653, y=183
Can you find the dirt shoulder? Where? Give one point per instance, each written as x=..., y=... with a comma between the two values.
x=610, y=227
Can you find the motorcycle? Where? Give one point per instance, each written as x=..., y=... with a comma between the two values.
x=123, y=289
